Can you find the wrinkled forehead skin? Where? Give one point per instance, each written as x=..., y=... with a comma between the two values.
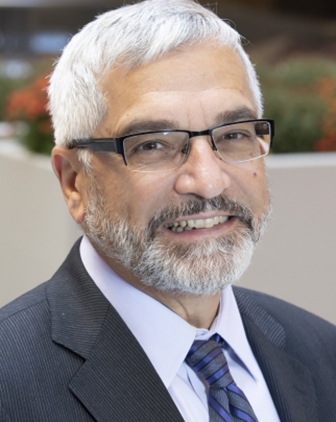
x=186, y=80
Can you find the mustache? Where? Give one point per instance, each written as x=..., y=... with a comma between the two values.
x=196, y=206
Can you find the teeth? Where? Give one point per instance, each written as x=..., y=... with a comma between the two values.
x=180, y=226
x=199, y=224
x=209, y=222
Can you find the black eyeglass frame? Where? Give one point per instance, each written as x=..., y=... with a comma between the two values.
x=116, y=145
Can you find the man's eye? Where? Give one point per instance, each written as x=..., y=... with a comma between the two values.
x=150, y=146
x=236, y=135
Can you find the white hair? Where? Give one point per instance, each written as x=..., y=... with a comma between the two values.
x=129, y=37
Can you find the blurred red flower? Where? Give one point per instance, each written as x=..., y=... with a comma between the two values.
x=327, y=90
x=29, y=103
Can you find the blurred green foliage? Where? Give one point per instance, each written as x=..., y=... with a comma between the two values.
x=36, y=140
x=8, y=85
x=295, y=96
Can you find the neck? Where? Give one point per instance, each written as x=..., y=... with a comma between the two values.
x=199, y=311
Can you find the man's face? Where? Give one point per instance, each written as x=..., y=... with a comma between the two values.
x=194, y=89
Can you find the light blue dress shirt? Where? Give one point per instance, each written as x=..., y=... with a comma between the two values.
x=166, y=338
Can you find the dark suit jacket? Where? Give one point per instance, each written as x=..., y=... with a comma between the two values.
x=67, y=356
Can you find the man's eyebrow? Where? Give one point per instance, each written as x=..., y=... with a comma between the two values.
x=139, y=126
x=232, y=116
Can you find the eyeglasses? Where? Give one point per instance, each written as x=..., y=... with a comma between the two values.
x=168, y=149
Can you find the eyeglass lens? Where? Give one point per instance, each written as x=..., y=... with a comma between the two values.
x=166, y=150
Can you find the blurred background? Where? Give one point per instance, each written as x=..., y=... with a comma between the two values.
x=292, y=43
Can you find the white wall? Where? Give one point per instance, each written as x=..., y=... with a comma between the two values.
x=36, y=230
x=296, y=260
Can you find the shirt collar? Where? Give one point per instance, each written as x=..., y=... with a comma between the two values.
x=229, y=325
x=167, y=338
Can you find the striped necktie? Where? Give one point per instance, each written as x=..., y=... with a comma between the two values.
x=226, y=401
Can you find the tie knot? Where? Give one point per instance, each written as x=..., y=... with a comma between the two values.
x=208, y=360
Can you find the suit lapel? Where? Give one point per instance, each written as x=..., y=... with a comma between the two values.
x=289, y=381
x=116, y=381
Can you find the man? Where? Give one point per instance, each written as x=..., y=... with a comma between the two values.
x=157, y=116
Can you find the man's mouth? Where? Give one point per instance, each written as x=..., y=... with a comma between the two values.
x=186, y=225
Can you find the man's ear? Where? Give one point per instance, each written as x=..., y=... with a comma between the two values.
x=69, y=172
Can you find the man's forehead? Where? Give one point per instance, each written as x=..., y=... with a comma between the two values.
x=204, y=60
x=199, y=86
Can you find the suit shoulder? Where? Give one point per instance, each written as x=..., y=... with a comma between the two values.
x=22, y=304
x=280, y=306
x=24, y=330
x=38, y=295
x=296, y=320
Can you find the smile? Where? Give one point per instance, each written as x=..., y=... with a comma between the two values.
x=185, y=225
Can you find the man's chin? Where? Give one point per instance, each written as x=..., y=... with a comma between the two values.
x=200, y=268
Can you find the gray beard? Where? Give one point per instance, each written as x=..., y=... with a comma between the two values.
x=204, y=267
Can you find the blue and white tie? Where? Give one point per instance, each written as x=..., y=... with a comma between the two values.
x=226, y=401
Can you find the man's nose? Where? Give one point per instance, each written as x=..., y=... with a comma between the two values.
x=204, y=172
